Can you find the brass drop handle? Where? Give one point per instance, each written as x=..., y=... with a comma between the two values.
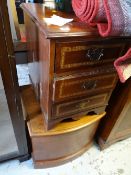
x=95, y=54
x=82, y=105
x=89, y=85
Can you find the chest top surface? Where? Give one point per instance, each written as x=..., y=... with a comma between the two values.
x=38, y=12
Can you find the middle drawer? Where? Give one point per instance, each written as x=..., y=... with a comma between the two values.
x=73, y=87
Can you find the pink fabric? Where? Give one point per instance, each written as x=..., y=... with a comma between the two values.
x=123, y=66
x=112, y=18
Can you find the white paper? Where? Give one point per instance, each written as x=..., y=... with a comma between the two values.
x=57, y=20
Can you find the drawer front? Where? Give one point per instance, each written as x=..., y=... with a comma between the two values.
x=82, y=55
x=77, y=106
x=72, y=87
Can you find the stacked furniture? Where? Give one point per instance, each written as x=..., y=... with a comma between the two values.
x=71, y=70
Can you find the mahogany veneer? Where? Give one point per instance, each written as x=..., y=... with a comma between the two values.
x=116, y=125
x=61, y=144
x=71, y=67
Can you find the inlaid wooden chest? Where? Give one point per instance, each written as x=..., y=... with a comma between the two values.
x=71, y=67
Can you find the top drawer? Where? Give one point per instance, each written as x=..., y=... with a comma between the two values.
x=70, y=87
x=82, y=55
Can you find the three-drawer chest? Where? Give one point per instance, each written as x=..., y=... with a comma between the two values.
x=71, y=66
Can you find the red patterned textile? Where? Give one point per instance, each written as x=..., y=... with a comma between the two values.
x=112, y=18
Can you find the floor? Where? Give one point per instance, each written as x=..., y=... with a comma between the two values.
x=8, y=143
x=115, y=160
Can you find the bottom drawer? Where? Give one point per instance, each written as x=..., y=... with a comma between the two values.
x=68, y=108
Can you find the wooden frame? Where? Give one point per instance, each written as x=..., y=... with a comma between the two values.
x=9, y=77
